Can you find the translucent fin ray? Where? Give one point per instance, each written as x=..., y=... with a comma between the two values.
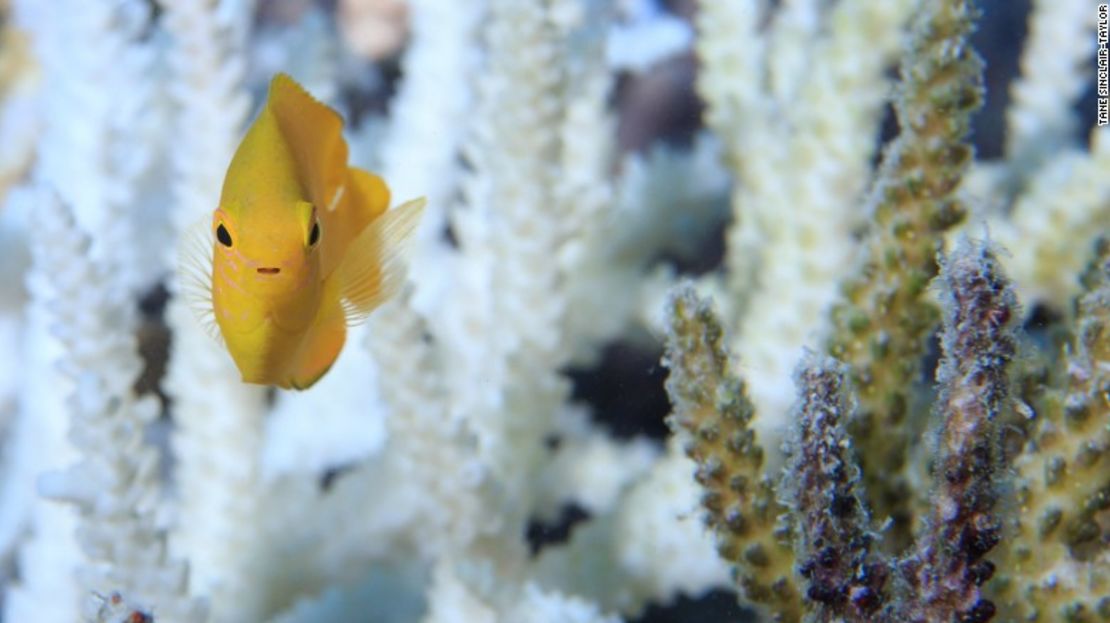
x=373, y=269
x=194, y=274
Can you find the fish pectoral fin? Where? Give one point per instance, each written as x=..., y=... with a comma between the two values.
x=373, y=270
x=194, y=276
x=322, y=345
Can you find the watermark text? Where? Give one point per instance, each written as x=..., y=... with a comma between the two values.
x=1102, y=64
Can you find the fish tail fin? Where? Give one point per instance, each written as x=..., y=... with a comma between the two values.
x=372, y=270
x=364, y=198
x=368, y=193
x=322, y=345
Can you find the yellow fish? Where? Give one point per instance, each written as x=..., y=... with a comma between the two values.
x=301, y=245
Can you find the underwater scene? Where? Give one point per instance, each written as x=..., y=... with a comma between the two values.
x=554, y=311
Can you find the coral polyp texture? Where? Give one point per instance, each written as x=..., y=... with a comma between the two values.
x=843, y=576
x=712, y=408
x=719, y=311
x=885, y=317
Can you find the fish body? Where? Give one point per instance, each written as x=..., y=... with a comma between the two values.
x=302, y=245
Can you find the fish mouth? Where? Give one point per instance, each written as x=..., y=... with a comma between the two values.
x=269, y=270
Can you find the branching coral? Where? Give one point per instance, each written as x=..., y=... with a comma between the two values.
x=115, y=485
x=39, y=439
x=917, y=183
x=456, y=464
x=884, y=318
x=843, y=580
x=1054, y=566
x=219, y=489
x=1041, y=120
x=799, y=145
x=1047, y=195
x=426, y=126
x=1066, y=205
x=426, y=441
x=96, y=164
x=962, y=526
x=95, y=151
x=711, y=406
x=648, y=546
x=833, y=545
x=506, y=217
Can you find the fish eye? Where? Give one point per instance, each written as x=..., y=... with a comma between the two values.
x=223, y=236
x=314, y=235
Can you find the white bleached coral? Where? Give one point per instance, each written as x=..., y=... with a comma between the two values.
x=808, y=147
x=1053, y=225
x=219, y=420
x=652, y=545
x=1053, y=74
x=427, y=475
x=95, y=150
x=115, y=486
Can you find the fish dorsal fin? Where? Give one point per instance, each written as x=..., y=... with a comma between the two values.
x=194, y=273
x=314, y=134
x=373, y=269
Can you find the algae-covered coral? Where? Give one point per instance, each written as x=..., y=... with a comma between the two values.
x=888, y=387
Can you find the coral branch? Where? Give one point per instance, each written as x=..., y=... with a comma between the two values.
x=796, y=204
x=93, y=154
x=103, y=109
x=948, y=567
x=1055, y=221
x=219, y=420
x=733, y=76
x=833, y=538
x=649, y=548
x=428, y=453
x=430, y=113
x=710, y=405
x=1087, y=404
x=885, y=317
x=115, y=485
x=1054, y=73
x=1055, y=566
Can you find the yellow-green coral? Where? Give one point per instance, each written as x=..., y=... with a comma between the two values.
x=842, y=579
x=1056, y=564
x=882, y=324
x=739, y=498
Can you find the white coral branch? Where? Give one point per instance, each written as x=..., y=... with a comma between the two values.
x=498, y=321
x=116, y=484
x=794, y=220
x=1054, y=223
x=219, y=436
x=650, y=548
x=97, y=147
x=1054, y=72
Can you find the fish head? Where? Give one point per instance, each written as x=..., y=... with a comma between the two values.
x=268, y=259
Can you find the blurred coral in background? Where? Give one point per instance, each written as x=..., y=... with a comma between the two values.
x=859, y=268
